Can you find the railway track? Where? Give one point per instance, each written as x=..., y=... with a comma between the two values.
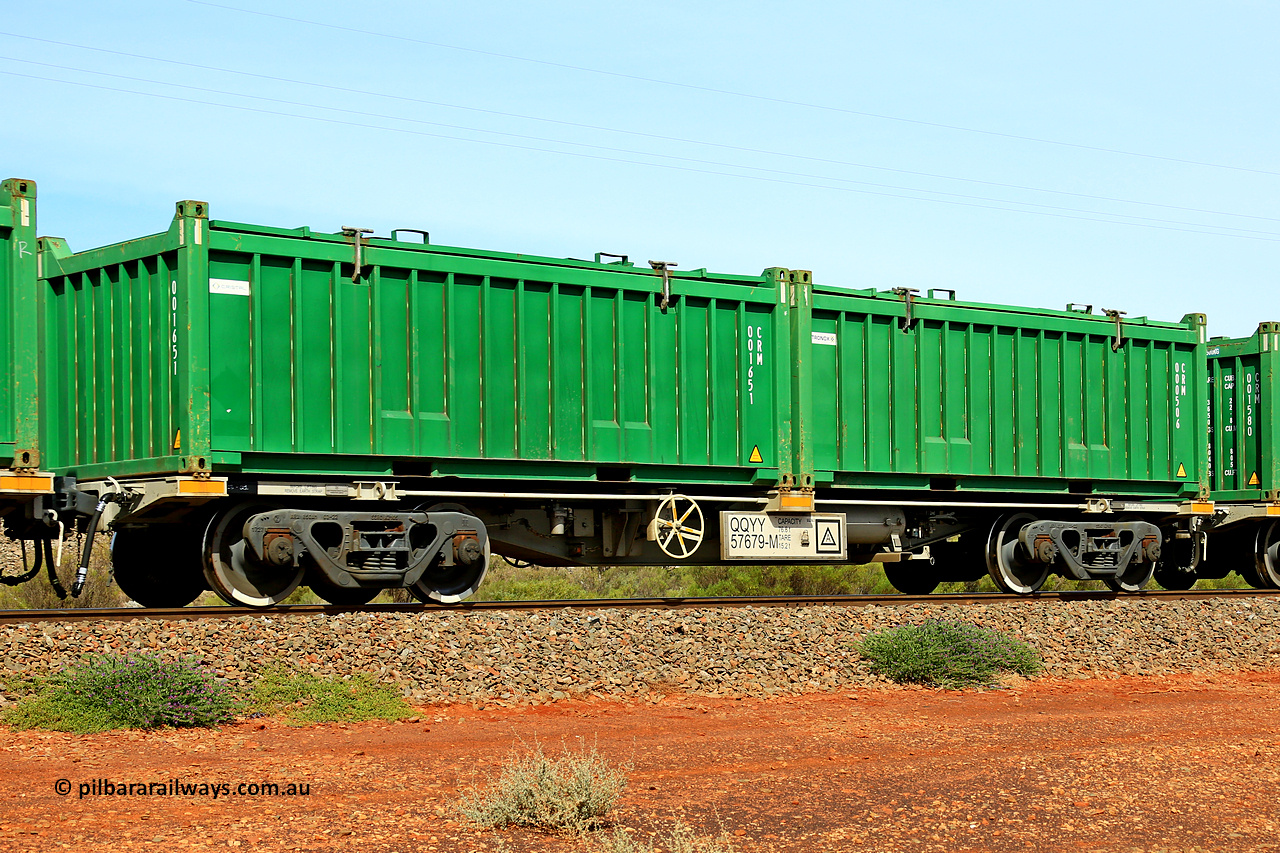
x=121, y=614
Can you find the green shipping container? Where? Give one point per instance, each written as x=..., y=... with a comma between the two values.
x=938, y=394
x=236, y=348
x=19, y=353
x=1244, y=428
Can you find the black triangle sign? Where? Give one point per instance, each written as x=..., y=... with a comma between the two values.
x=828, y=538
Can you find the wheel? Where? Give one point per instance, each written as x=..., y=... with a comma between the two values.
x=679, y=526
x=1173, y=579
x=1267, y=556
x=1173, y=572
x=1235, y=549
x=1134, y=577
x=232, y=570
x=1008, y=563
x=158, y=566
x=960, y=562
x=443, y=584
x=912, y=577
x=344, y=595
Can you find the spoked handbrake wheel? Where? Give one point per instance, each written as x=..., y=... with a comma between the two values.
x=679, y=526
x=231, y=568
x=1008, y=563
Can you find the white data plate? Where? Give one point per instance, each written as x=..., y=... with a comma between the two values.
x=779, y=536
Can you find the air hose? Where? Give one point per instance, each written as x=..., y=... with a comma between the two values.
x=27, y=574
x=83, y=572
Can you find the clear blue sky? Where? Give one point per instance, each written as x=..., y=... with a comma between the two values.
x=890, y=144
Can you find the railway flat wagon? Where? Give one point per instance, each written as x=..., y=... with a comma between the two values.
x=24, y=486
x=254, y=408
x=1047, y=440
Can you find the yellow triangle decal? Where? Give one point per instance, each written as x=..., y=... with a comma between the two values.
x=177, y=440
x=1182, y=470
x=1253, y=481
x=755, y=455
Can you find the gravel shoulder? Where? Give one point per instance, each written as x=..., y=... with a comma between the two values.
x=1176, y=762
x=1155, y=726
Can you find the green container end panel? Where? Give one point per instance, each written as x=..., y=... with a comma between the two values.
x=217, y=342
x=19, y=351
x=1244, y=427
x=127, y=352
x=964, y=395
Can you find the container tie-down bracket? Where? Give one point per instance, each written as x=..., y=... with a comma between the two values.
x=1118, y=340
x=664, y=269
x=354, y=234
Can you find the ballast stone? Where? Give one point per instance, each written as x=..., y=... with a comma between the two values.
x=520, y=657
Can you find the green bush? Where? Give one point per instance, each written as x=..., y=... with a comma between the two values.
x=307, y=698
x=135, y=692
x=571, y=793
x=947, y=654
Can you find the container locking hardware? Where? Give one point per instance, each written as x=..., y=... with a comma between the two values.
x=664, y=267
x=426, y=236
x=1118, y=340
x=1079, y=308
x=354, y=234
x=907, y=293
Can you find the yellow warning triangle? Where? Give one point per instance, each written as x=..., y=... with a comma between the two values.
x=1253, y=480
x=1182, y=470
x=177, y=440
x=755, y=455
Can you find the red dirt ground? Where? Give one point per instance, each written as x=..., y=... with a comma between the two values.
x=1133, y=764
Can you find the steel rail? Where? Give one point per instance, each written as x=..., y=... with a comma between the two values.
x=118, y=614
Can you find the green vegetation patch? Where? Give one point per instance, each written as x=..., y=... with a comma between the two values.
x=945, y=654
x=134, y=692
x=307, y=698
x=569, y=793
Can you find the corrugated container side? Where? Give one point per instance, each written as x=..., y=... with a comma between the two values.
x=127, y=366
x=19, y=353
x=975, y=396
x=1244, y=427
x=252, y=348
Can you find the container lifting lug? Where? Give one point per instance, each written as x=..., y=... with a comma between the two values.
x=354, y=234
x=907, y=294
x=426, y=236
x=1118, y=340
x=664, y=267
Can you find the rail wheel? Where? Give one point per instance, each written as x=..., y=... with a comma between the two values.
x=679, y=525
x=1173, y=571
x=158, y=566
x=334, y=594
x=1134, y=577
x=233, y=571
x=960, y=562
x=1008, y=563
x=1267, y=556
x=912, y=577
x=443, y=584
